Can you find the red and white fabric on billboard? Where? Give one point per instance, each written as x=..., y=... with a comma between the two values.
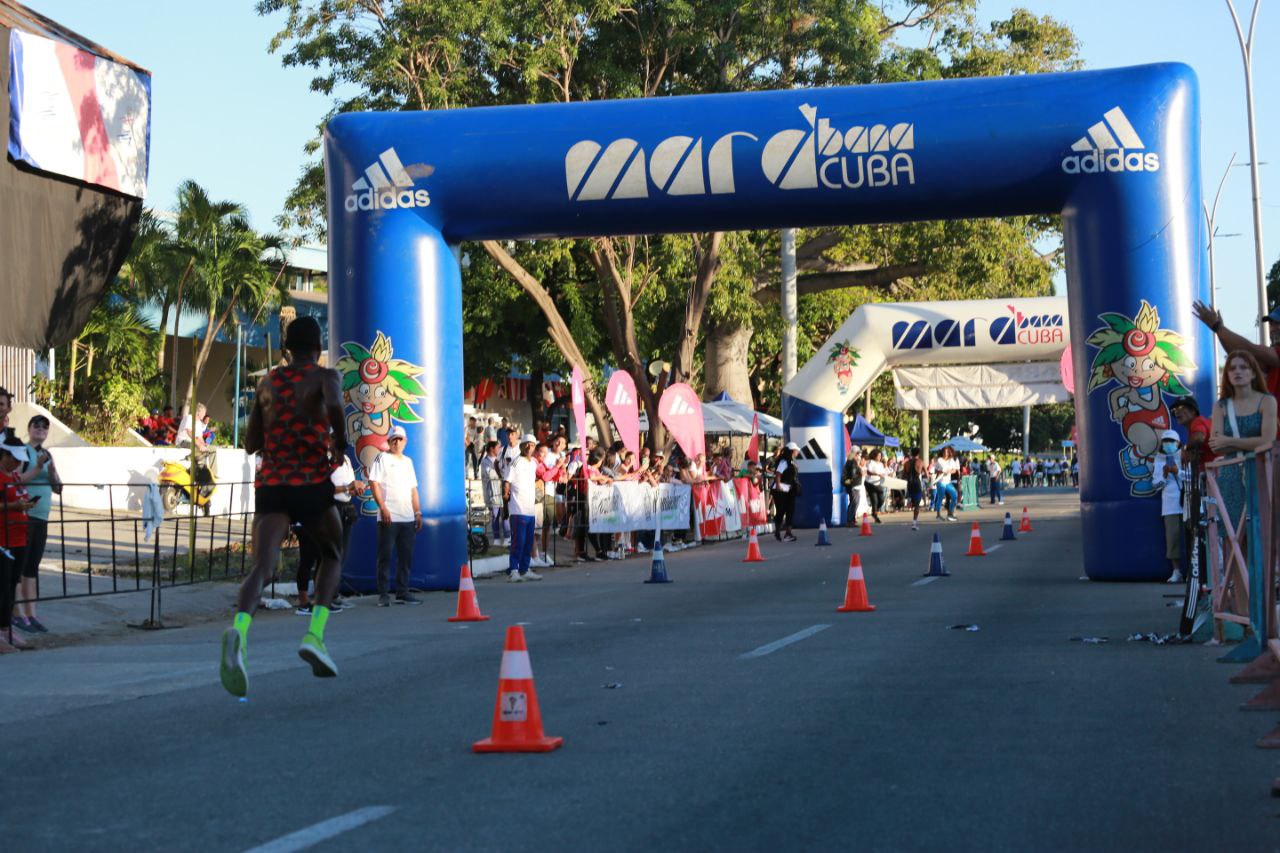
x=78, y=114
x=579, y=401
x=681, y=412
x=706, y=502
x=751, y=503
x=621, y=401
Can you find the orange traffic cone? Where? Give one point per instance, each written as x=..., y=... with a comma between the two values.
x=1025, y=526
x=517, y=722
x=855, y=590
x=468, y=604
x=753, y=548
x=975, y=542
x=866, y=525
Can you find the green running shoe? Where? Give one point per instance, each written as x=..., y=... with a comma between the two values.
x=234, y=675
x=312, y=651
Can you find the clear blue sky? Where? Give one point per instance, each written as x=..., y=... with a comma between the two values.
x=215, y=86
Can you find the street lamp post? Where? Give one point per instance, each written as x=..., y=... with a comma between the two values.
x=1246, y=52
x=1211, y=216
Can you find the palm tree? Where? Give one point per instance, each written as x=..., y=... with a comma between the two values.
x=208, y=231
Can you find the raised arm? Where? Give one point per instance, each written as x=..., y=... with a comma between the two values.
x=1232, y=341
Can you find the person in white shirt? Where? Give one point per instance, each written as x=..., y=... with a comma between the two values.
x=1015, y=469
x=522, y=502
x=996, y=475
x=874, y=483
x=395, y=488
x=192, y=435
x=491, y=482
x=345, y=486
x=1167, y=480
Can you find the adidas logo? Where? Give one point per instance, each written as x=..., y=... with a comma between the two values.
x=385, y=186
x=1111, y=145
x=680, y=407
x=622, y=398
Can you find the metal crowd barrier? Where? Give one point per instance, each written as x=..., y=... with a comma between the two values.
x=98, y=542
x=1244, y=559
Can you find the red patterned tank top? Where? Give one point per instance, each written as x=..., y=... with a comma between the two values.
x=296, y=447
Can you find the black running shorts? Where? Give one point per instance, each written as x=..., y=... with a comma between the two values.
x=300, y=503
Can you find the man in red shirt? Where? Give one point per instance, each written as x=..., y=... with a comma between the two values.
x=1268, y=356
x=14, y=503
x=1187, y=413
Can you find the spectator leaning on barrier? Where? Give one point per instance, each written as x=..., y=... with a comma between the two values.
x=1244, y=421
x=42, y=481
x=1267, y=357
x=550, y=470
x=1166, y=479
x=395, y=488
x=15, y=503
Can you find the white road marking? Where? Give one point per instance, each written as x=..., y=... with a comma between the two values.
x=994, y=548
x=324, y=830
x=785, y=641
x=929, y=579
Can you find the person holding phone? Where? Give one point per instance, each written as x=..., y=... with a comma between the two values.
x=41, y=478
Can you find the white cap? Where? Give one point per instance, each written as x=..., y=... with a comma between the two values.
x=1170, y=434
x=528, y=438
x=397, y=432
x=17, y=451
x=791, y=445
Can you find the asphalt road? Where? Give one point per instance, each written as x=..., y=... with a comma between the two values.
x=883, y=731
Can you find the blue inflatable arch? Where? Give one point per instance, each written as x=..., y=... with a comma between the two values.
x=1115, y=152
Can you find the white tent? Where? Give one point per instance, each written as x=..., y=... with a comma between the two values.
x=742, y=413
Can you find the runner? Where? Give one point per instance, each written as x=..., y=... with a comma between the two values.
x=298, y=429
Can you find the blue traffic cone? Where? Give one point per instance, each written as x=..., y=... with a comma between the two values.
x=937, y=568
x=1008, y=536
x=658, y=568
x=823, y=538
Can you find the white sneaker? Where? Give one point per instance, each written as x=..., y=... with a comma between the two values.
x=915, y=526
x=514, y=577
x=641, y=549
x=531, y=575
x=1176, y=578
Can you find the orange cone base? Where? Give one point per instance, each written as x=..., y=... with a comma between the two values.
x=1271, y=740
x=476, y=618
x=542, y=744
x=1262, y=670
x=867, y=608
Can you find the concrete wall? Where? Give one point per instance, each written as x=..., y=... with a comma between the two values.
x=99, y=478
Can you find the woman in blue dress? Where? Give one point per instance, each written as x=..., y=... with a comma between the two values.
x=1244, y=421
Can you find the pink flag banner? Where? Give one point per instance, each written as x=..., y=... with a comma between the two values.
x=1068, y=371
x=753, y=446
x=621, y=401
x=579, y=400
x=681, y=412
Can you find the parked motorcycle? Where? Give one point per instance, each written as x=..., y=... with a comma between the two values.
x=176, y=487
